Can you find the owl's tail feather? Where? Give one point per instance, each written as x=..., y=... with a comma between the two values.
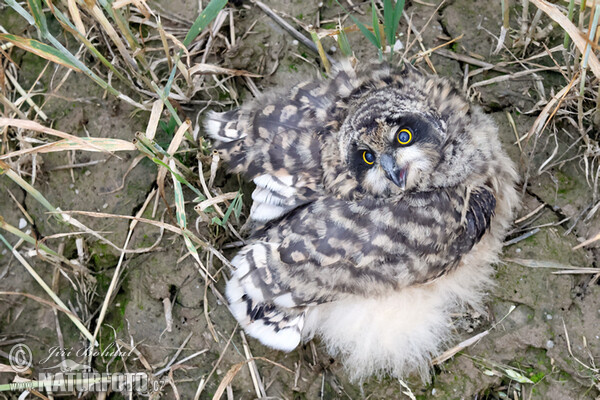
x=227, y=129
x=256, y=307
x=222, y=126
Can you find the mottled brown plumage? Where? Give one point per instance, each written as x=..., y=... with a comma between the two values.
x=382, y=198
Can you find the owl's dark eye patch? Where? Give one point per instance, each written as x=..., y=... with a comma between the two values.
x=361, y=159
x=411, y=129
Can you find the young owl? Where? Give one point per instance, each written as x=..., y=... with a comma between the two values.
x=382, y=197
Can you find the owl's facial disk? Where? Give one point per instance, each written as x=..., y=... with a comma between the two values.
x=393, y=156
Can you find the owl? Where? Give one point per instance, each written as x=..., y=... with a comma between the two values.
x=382, y=198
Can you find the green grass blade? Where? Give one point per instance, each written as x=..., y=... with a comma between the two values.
x=68, y=26
x=344, y=43
x=366, y=32
x=82, y=66
x=206, y=16
x=6, y=170
x=149, y=148
x=570, y=16
x=120, y=21
x=180, y=178
x=375, y=21
x=35, y=6
x=235, y=207
x=388, y=21
x=363, y=29
x=27, y=238
x=21, y=11
x=179, y=201
x=39, y=21
x=39, y=49
x=391, y=16
x=181, y=219
x=398, y=10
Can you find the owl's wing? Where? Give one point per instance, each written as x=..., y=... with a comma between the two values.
x=331, y=248
x=274, y=142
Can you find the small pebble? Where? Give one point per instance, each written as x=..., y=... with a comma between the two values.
x=549, y=344
x=295, y=42
x=88, y=173
x=333, y=49
x=22, y=223
x=4, y=251
x=398, y=45
x=549, y=316
x=433, y=392
x=76, y=191
x=518, y=250
x=104, y=205
x=71, y=186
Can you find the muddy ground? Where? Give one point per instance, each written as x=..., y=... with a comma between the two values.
x=551, y=337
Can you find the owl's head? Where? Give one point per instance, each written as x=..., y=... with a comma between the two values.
x=404, y=131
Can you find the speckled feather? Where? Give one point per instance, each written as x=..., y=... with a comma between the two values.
x=326, y=233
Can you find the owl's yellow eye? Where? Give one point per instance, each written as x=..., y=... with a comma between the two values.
x=368, y=157
x=404, y=137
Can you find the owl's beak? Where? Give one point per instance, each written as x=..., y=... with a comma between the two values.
x=392, y=171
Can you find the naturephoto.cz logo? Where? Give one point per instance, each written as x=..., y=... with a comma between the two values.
x=69, y=375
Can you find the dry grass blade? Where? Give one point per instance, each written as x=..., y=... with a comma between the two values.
x=91, y=144
x=543, y=118
x=594, y=370
x=290, y=29
x=26, y=96
x=117, y=273
x=574, y=33
x=227, y=379
x=157, y=108
x=199, y=208
x=233, y=371
x=49, y=291
x=207, y=69
x=34, y=126
x=461, y=346
x=578, y=271
x=437, y=48
x=20, y=207
x=76, y=16
x=588, y=242
x=41, y=301
x=254, y=374
x=173, y=146
x=539, y=263
x=112, y=33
